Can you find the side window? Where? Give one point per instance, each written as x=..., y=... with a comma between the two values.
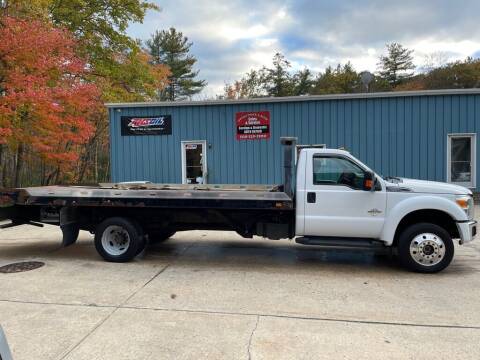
x=337, y=171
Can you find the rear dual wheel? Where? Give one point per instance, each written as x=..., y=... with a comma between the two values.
x=119, y=239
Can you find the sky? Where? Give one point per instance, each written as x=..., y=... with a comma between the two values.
x=230, y=37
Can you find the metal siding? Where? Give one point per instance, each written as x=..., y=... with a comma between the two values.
x=434, y=128
x=408, y=143
x=439, y=138
x=402, y=136
x=392, y=136
x=357, y=117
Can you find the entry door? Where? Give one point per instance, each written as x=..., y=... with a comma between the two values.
x=194, y=162
x=461, y=159
x=335, y=202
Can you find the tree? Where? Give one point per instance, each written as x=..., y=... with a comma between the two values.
x=277, y=80
x=250, y=86
x=45, y=102
x=137, y=80
x=121, y=69
x=461, y=74
x=340, y=80
x=271, y=81
x=98, y=25
x=118, y=66
x=100, y=28
x=22, y=8
x=303, y=82
x=455, y=75
x=171, y=48
x=397, y=66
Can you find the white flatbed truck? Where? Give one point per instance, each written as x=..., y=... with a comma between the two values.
x=328, y=198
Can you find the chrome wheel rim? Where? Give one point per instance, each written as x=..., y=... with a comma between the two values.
x=427, y=249
x=115, y=240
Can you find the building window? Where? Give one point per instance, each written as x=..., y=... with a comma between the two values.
x=461, y=159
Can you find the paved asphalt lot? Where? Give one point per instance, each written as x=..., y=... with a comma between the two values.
x=214, y=295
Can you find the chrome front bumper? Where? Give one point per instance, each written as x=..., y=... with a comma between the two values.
x=467, y=231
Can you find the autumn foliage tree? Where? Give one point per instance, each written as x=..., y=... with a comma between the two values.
x=45, y=102
x=116, y=63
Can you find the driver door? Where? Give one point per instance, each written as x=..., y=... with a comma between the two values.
x=335, y=202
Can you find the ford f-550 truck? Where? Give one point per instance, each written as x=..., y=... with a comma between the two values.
x=328, y=198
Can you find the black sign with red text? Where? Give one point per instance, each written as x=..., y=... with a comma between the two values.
x=152, y=125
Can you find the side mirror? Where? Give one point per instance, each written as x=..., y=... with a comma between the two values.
x=369, y=181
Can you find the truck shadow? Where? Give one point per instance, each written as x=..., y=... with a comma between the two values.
x=253, y=254
x=241, y=254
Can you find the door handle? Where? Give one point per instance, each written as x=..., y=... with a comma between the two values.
x=311, y=197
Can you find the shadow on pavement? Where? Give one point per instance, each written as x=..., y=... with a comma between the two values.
x=235, y=254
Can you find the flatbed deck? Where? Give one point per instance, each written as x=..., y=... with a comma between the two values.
x=152, y=195
x=182, y=207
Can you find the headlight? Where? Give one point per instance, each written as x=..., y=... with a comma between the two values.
x=466, y=203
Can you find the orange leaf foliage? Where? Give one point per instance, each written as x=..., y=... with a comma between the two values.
x=45, y=102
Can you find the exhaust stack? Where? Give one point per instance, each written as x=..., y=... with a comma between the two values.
x=289, y=148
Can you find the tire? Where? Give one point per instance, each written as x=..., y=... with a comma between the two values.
x=118, y=239
x=70, y=234
x=157, y=237
x=425, y=248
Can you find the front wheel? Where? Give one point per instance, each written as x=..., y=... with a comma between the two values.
x=118, y=239
x=425, y=248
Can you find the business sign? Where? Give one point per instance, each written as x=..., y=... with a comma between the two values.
x=155, y=125
x=253, y=125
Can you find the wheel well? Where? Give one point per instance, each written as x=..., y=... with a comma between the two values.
x=432, y=216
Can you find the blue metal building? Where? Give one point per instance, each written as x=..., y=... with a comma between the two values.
x=421, y=134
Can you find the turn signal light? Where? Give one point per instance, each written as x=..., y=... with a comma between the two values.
x=463, y=203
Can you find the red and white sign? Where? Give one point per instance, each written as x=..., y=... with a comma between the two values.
x=253, y=125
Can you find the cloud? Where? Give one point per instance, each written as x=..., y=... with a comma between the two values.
x=232, y=37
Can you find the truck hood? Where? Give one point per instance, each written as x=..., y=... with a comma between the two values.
x=424, y=186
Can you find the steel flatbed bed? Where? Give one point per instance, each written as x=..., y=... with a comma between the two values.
x=152, y=195
x=247, y=209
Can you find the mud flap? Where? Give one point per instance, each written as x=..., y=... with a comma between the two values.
x=69, y=226
x=70, y=234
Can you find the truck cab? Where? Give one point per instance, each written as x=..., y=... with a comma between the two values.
x=339, y=197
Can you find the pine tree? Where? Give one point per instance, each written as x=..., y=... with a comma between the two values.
x=171, y=48
x=303, y=82
x=278, y=81
x=397, y=66
x=340, y=80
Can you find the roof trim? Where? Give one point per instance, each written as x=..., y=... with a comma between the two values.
x=267, y=100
